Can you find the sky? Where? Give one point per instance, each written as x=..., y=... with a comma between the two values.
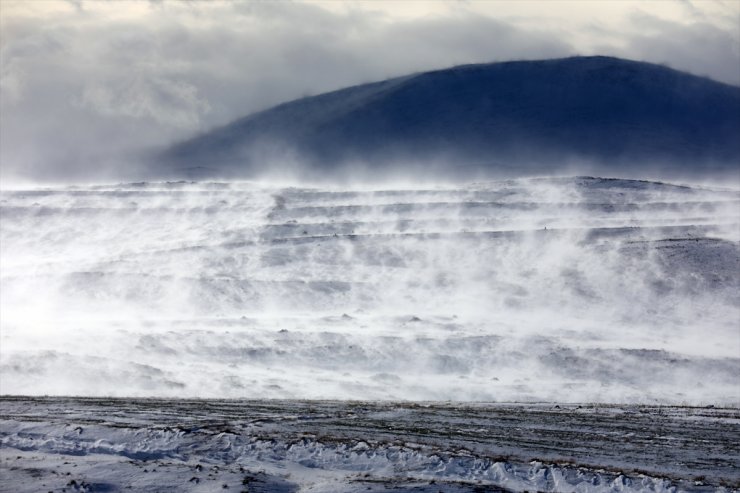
x=85, y=86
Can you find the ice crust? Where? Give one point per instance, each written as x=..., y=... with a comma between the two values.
x=291, y=446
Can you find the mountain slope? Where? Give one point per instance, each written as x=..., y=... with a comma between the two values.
x=526, y=116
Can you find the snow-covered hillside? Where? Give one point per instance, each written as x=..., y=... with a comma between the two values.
x=594, y=114
x=559, y=289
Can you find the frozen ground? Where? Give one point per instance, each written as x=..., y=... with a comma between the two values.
x=96, y=444
x=562, y=289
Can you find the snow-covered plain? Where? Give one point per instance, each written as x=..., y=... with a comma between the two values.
x=53, y=444
x=548, y=289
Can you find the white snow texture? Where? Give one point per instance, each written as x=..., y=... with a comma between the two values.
x=559, y=289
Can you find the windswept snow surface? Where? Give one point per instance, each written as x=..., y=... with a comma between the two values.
x=559, y=289
x=94, y=445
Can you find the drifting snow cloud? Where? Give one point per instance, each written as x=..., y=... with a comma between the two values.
x=169, y=102
x=87, y=83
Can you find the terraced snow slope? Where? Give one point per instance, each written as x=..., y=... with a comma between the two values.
x=562, y=289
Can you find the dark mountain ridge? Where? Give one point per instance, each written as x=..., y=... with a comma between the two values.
x=510, y=118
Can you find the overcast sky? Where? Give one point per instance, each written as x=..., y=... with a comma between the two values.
x=84, y=84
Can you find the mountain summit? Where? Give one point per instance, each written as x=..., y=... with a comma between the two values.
x=517, y=117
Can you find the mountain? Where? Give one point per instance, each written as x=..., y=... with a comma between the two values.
x=517, y=117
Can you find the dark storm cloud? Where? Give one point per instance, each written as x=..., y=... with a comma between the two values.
x=86, y=88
